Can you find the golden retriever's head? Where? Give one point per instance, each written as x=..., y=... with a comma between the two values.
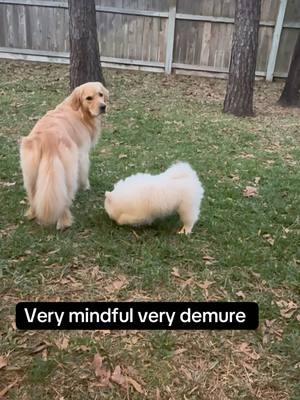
x=91, y=97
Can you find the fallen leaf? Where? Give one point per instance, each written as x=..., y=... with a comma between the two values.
x=158, y=394
x=118, y=377
x=179, y=351
x=188, y=282
x=122, y=156
x=270, y=331
x=250, y=191
x=205, y=285
x=84, y=348
x=135, y=384
x=101, y=372
x=117, y=285
x=63, y=343
x=246, y=349
x=45, y=355
x=97, y=364
x=175, y=272
x=3, y=362
x=287, y=308
x=241, y=294
x=269, y=239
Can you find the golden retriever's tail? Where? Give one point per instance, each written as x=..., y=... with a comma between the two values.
x=45, y=181
x=51, y=196
x=30, y=154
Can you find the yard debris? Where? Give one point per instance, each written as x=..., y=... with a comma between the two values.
x=270, y=331
x=123, y=380
x=135, y=385
x=208, y=260
x=250, y=191
x=118, y=377
x=101, y=372
x=117, y=285
x=287, y=308
x=269, y=239
x=246, y=349
x=10, y=386
x=40, y=347
x=3, y=362
x=62, y=343
x=205, y=285
x=175, y=272
x=241, y=294
x=247, y=155
x=7, y=184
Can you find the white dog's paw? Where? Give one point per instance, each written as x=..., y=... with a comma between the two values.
x=86, y=186
x=185, y=230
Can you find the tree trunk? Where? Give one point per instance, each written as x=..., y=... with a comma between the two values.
x=290, y=95
x=85, y=63
x=239, y=94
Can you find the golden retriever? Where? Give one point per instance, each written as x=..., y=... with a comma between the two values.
x=55, y=155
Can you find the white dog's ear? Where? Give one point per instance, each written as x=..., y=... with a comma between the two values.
x=75, y=99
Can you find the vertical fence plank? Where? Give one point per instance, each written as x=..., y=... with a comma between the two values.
x=276, y=40
x=170, y=35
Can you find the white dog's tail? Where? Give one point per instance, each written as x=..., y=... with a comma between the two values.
x=180, y=170
x=51, y=196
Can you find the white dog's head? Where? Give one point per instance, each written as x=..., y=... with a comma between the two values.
x=91, y=97
x=110, y=207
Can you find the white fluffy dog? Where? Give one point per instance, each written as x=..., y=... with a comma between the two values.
x=141, y=198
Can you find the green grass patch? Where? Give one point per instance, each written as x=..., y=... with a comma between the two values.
x=241, y=249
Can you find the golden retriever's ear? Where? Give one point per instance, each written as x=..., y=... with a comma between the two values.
x=105, y=92
x=75, y=99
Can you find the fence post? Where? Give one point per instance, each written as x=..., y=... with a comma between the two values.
x=276, y=40
x=170, y=36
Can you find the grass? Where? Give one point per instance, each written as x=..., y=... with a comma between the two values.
x=242, y=248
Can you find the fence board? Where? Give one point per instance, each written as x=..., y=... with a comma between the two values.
x=136, y=32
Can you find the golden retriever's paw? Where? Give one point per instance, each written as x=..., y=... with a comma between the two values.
x=185, y=230
x=30, y=214
x=65, y=221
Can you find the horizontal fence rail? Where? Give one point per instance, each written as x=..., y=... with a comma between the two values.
x=171, y=36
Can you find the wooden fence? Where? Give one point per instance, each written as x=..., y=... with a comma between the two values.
x=183, y=36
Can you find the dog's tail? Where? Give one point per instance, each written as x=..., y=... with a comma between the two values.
x=180, y=170
x=45, y=181
x=51, y=197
